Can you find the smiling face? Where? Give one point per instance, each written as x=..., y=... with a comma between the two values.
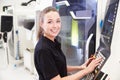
x=51, y=24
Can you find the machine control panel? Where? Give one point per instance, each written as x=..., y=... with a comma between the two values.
x=104, y=50
x=93, y=75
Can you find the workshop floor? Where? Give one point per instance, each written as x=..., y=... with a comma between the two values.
x=10, y=72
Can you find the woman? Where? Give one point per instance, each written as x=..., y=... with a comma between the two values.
x=50, y=61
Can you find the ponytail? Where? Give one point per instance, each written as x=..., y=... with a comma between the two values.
x=40, y=33
x=40, y=29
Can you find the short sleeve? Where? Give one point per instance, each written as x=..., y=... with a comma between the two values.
x=46, y=64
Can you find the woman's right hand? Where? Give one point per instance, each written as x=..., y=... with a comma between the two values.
x=93, y=64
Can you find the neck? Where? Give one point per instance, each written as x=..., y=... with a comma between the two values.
x=51, y=38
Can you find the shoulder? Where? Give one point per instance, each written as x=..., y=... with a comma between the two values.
x=41, y=45
x=43, y=52
x=43, y=55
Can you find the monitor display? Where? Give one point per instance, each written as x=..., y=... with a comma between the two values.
x=6, y=23
x=28, y=24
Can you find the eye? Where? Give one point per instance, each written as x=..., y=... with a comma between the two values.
x=58, y=21
x=49, y=22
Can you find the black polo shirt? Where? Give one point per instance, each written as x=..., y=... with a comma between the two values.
x=49, y=59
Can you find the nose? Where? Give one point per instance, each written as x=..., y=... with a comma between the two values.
x=55, y=24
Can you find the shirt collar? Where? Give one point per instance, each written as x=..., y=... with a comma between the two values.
x=51, y=43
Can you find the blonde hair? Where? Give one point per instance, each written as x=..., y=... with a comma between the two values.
x=41, y=20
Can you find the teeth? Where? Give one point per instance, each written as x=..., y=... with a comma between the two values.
x=54, y=31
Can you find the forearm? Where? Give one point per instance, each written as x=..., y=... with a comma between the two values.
x=74, y=68
x=76, y=76
x=80, y=74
